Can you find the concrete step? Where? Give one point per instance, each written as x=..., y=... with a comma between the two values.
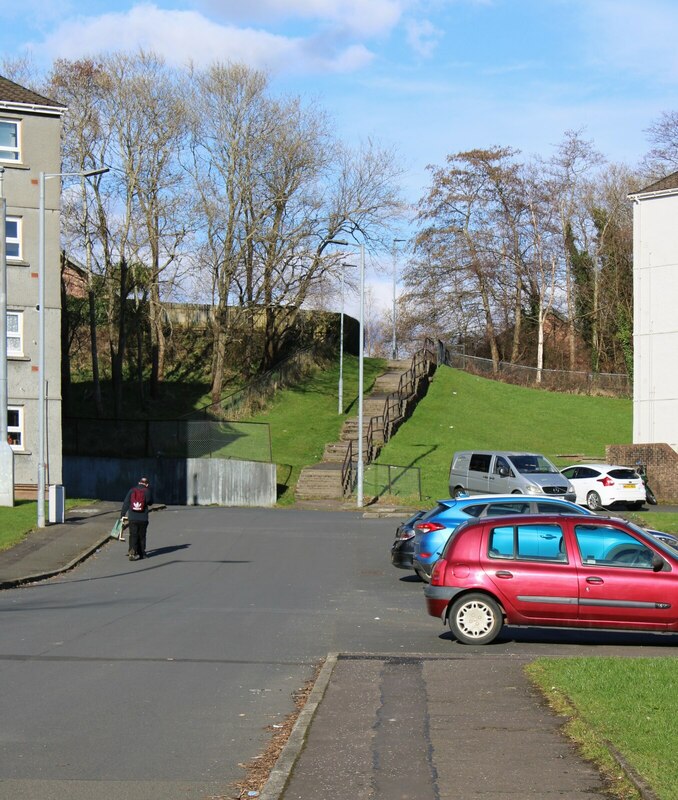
x=319, y=481
x=335, y=451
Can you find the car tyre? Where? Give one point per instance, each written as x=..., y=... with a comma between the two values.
x=459, y=491
x=593, y=502
x=475, y=619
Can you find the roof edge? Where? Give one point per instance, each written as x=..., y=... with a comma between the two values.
x=54, y=111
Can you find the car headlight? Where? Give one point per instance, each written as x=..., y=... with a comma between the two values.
x=532, y=489
x=570, y=488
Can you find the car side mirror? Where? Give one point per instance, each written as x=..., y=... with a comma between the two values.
x=503, y=471
x=657, y=563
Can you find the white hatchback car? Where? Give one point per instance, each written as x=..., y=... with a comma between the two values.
x=599, y=485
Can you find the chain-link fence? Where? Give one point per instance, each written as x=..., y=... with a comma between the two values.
x=391, y=479
x=128, y=438
x=617, y=384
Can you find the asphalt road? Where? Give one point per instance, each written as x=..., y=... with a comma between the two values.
x=154, y=680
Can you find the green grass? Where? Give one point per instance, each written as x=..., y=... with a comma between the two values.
x=660, y=520
x=305, y=418
x=628, y=702
x=17, y=521
x=463, y=411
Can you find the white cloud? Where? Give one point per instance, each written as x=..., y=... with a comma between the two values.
x=181, y=36
x=423, y=37
x=363, y=17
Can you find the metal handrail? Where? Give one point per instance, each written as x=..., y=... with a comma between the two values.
x=347, y=470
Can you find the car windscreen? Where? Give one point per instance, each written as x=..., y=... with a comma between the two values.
x=533, y=464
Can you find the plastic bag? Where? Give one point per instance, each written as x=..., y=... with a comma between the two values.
x=116, y=530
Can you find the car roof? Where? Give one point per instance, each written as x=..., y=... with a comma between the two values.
x=602, y=467
x=500, y=452
x=503, y=498
x=515, y=519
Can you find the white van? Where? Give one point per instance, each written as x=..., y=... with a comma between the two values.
x=507, y=472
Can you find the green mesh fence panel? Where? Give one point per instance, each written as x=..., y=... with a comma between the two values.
x=169, y=438
x=390, y=479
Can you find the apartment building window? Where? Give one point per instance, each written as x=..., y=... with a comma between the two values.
x=15, y=427
x=13, y=237
x=9, y=140
x=15, y=333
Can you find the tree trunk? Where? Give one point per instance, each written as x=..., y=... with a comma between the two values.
x=118, y=354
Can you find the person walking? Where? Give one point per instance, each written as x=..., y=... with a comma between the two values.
x=135, y=507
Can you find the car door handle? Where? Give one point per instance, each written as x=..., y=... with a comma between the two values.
x=595, y=580
x=503, y=573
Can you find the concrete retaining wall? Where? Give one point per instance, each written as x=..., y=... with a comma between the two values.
x=190, y=481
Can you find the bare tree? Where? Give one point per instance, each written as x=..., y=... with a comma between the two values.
x=569, y=171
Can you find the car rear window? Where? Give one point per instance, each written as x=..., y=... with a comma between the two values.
x=539, y=541
x=624, y=475
x=558, y=508
x=433, y=512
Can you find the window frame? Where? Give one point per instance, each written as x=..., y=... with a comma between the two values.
x=18, y=335
x=16, y=429
x=8, y=149
x=14, y=239
x=544, y=530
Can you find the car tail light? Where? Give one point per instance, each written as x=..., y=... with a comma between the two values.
x=427, y=527
x=438, y=574
x=403, y=536
x=606, y=481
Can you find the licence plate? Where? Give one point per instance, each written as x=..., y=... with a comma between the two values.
x=629, y=485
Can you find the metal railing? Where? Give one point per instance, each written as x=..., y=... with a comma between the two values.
x=394, y=480
x=398, y=406
x=615, y=383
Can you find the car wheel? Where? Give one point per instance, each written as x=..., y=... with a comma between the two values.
x=459, y=491
x=421, y=575
x=593, y=501
x=475, y=619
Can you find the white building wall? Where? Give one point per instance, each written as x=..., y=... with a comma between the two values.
x=655, y=275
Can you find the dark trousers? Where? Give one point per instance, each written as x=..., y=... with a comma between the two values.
x=137, y=537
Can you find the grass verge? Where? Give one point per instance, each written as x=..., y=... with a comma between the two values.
x=628, y=702
x=17, y=521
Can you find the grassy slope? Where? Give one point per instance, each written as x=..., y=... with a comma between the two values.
x=464, y=411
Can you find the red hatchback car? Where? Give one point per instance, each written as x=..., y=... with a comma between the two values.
x=544, y=570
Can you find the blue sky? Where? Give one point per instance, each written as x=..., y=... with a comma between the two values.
x=429, y=77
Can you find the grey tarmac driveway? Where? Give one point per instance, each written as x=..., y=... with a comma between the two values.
x=155, y=680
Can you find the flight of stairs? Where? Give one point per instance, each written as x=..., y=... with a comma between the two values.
x=323, y=480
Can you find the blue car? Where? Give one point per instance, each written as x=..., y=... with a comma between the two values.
x=432, y=531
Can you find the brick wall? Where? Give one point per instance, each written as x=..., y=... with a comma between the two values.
x=661, y=462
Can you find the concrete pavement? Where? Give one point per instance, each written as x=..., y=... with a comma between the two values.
x=381, y=726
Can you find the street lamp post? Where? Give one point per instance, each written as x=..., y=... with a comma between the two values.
x=340, y=393
x=44, y=176
x=361, y=347
x=394, y=344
